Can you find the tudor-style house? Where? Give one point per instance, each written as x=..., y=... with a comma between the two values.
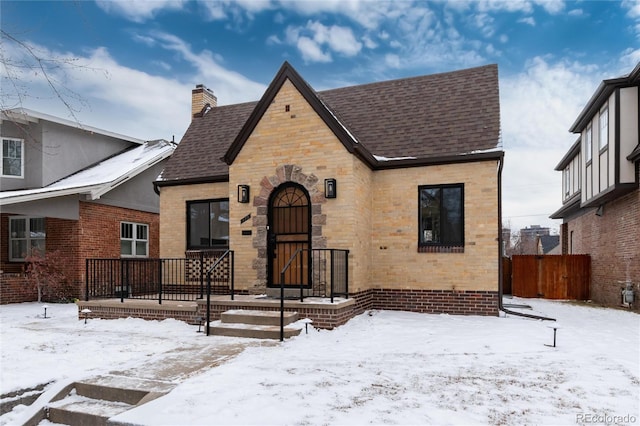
x=403, y=174
x=600, y=189
x=76, y=191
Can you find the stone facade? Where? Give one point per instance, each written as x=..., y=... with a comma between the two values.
x=375, y=215
x=613, y=242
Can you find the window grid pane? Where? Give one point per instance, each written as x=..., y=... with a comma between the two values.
x=133, y=239
x=11, y=157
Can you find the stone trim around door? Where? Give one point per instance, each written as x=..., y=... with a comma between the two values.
x=285, y=173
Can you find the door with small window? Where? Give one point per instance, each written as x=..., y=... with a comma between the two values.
x=289, y=231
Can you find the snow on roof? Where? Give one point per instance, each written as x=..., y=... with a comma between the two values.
x=101, y=178
x=381, y=158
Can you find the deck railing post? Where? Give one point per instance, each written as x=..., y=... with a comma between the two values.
x=346, y=273
x=282, y=306
x=332, y=254
x=123, y=279
x=160, y=281
x=232, y=276
x=201, y=273
x=86, y=280
x=208, y=301
x=301, y=278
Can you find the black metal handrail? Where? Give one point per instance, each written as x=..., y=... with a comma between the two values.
x=231, y=277
x=338, y=266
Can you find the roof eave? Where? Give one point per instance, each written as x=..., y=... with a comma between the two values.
x=604, y=90
x=34, y=116
x=434, y=161
x=192, y=181
x=569, y=156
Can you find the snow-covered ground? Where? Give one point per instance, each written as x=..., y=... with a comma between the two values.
x=382, y=367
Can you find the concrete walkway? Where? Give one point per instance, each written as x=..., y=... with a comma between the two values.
x=157, y=376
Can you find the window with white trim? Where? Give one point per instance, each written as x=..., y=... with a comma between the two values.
x=134, y=239
x=604, y=128
x=26, y=235
x=587, y=145
x=567, y=181
x=12, y=158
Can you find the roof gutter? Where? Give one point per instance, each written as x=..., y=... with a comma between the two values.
x=500, y=269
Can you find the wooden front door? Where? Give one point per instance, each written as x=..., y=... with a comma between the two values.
x=289, y=231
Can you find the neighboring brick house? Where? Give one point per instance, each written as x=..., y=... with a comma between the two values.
x=75, y=190
x=601, y=193
x=404, y=174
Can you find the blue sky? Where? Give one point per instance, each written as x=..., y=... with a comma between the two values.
x=129, y=67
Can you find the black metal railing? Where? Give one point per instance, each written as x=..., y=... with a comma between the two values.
x=180, y=279
x=328, y=270
x=318, y=272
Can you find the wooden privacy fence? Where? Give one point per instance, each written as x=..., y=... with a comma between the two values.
x=551, y=276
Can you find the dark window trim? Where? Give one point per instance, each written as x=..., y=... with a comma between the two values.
x=441, y=247
x=188, y=225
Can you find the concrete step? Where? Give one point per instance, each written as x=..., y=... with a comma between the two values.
x=219, y=328
x=78, y=410
x=244, y=316
x=94, y=401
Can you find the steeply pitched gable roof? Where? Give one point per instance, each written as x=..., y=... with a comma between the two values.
x=433, y=119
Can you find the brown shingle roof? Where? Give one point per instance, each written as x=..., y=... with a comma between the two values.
x=429, y=118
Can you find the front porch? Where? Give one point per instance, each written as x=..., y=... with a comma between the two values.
x=321, y=311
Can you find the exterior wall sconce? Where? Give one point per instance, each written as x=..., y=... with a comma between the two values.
x=243, y=193
x=330, y=188
x=600, y=210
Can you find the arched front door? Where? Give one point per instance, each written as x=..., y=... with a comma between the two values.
x=289, y=230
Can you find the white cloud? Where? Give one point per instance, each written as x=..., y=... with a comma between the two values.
x=339, y=39
x=551, y=6
x=538, y=106
x=528, y=20
x=314, y=37
x=392, y=60
x=484, y=22
x=100, y=92
x=576, y=12
x=139, y=10
x=368, y=42
x=630, y=59
x=311, y=51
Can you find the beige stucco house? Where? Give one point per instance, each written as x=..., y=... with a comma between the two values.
x=402, y=174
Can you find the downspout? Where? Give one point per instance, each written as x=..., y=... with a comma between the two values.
x=500, y=269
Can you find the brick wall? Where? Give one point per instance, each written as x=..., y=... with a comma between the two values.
x=613, y=241
x=95, y=234
x=14, y=288
x=438, y=301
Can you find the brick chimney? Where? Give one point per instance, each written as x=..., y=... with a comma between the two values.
x=201, y=96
